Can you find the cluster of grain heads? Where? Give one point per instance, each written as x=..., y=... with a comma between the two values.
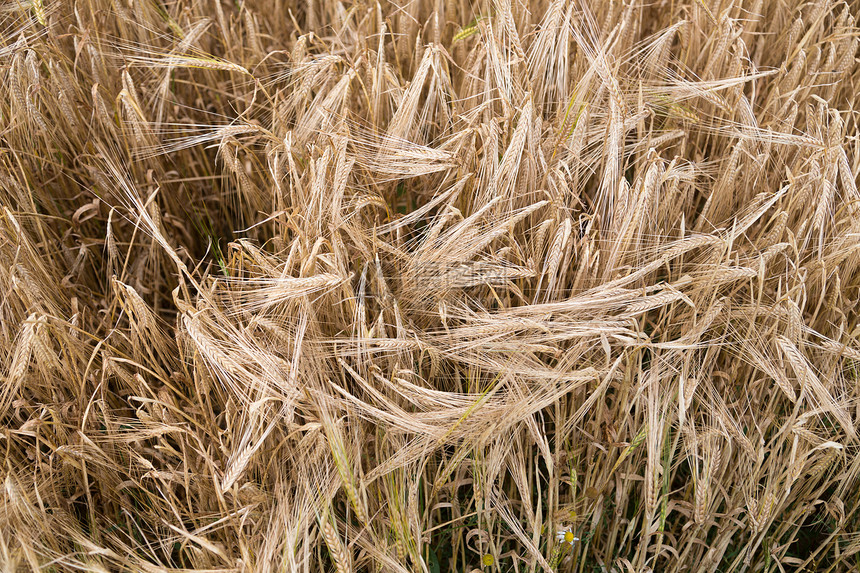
x=425, y=286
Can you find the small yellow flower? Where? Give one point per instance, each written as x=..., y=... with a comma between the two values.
x=488, y=560
x=566, y=536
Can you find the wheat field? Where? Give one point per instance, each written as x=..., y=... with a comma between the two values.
x=429, y=286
